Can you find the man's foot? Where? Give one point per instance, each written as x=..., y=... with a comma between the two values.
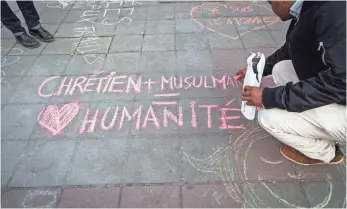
x=299, y=158
x=42, y=34
x=27, y=41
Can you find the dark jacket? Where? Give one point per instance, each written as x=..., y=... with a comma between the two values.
x=316, y=45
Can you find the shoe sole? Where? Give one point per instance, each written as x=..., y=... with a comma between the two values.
x=332, y=163
x=30, y=47
x=44, y=40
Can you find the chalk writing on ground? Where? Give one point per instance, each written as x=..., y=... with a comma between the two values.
x=243, y=17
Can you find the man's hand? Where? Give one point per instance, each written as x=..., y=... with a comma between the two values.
x=240, y=75
x=253, y=96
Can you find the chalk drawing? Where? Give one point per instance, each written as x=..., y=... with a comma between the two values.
x=254, y=23
x=220, y=163
x=39, y=194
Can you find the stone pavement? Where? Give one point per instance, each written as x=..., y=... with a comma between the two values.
x=134, y=105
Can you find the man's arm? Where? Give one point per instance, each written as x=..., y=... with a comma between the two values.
x=327, y=87
x=279, y=55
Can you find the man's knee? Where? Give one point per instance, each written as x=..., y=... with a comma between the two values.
x=266, y=118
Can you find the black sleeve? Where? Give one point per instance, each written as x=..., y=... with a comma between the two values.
x=327, y=87
x=279, y=55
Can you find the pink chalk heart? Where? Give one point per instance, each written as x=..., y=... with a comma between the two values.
x=54, y=119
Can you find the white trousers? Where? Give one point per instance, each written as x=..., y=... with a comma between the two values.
x=312, y=132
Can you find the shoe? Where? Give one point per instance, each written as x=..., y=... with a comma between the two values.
x=27, y=41
x=297, y=157
x=42, y=34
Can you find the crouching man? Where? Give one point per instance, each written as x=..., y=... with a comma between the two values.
x=307, y=109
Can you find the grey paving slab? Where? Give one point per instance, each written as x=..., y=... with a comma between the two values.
x=222, y=26
x=163, y=61
x=246, y=24
x=6, y=33
x=94, y=45
x=258, y=39
x=16, y=65
x=71, y=30
x=161, y=12
x=85, y=5
x=191, y=42
x=18, y=48
x=30, y=198
x=279, y=36
x=153, y=160
x=160, y=26
x=182, y=10
x=51, y=128
x=113, y=120
x=138, y=13
x=217, y=41
x=126, y=43
x=83, y=16
x=81, y=65
x=6, y=46
x=135, y=27
x=11, y=153
x=318, y=194
x=8, y=86
x=194, y=60
x=229, y=59
x=52, y=16
x=112, y=4
x=189, y=26
x=53, y=5
x=49, y=65
x=62, y=46
x=153, y=122
x=122, y=62
x=207, y=196
x=52, y=28
x=92, y=197
x=19, y=117
x=29, y=91
x=98, y=162
x=274, y=195
x=318, y=173
x=159, y=42
x=150, y=197
x=44, y=164
x=279, y=26
x=203, y=159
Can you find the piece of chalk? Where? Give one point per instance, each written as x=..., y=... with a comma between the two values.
x=237, y=77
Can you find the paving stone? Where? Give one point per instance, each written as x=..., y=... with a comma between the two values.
x=85, y=5
x=92, y=45
x=243, y=9
x=161, y=12
x=112, y=4
x=191, y=42
x=138, y=13
x=19, y=49
x=182, y=10
x=194, y=60
x=318, y=194
x=28, y=91
x=204, y=157
x=279, y=36
x=8, y=86
x=150, y=197
x=264, y=10
x=91, y=197
x=273, y=195
x=229, y=60
x=122, y=62
x=81, y=65
x=44, y=164
x=71, y=30
x=6, y=46
x=260, y=159
x=159, y=42
x=189, y=26
x=219, y=42
x=126, y=43
x=207, y=196
x=84, y=16
x=11, y=153
x=62, y=46
x=52, y=16
x=52, y=28
x=98, y=162
x=111, y=119
x=111, y=16
x=163, y=61
x=153, y=160
x=160, y=26
x=6, y=33
x=31, y=198
x=249, y=24
x=222, y=26
x=152, y=122
x=135, y=27
x=19, y=117
x=50, y=131
x=258, y=39
x=317, y=173
x=53, y=5
x=49, y=65
x=16, y=65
